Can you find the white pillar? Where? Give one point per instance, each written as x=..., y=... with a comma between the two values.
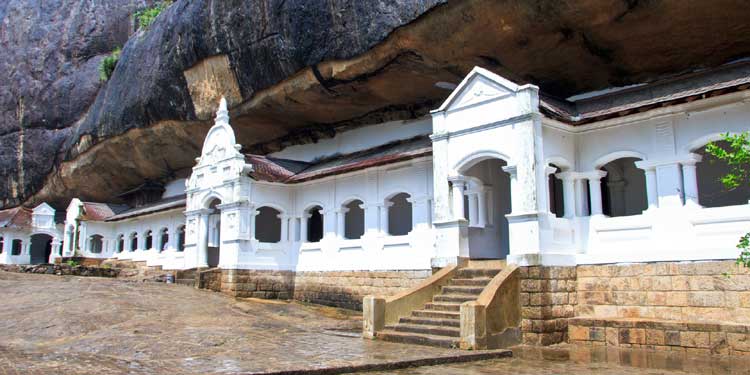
x=284, y=228
x=651, y=188
x=458, y=184
x=203, y=240
x=595, y=191
x=482, y=207
x=371, y=217
x=473, y=209
x=293, y=228
x=690, y=179
x=569, y=195
x=384, y=217
x=340, y=222
x=253, y=214
x=303, y=227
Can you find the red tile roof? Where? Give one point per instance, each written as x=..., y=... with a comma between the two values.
x=93, y=211
x=17, y=217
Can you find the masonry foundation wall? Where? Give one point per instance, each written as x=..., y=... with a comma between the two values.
x=701, y=307
x=344, y=289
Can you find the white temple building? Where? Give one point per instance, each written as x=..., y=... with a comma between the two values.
x=499, y=171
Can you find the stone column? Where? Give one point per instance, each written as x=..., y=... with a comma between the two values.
x=303, y=227
x=420, y=207
x=384, y=217
x=482, y=207
x=293, y=228
x=458, y=185
x=651, y=188
x=202, y=261
x=569, y=195
x=473, y=209
x=595, y=191
x=690, y=180
x=284, y=228
x=371, y=218
x=340, y=222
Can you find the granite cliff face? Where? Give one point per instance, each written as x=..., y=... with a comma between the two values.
x=295, y=70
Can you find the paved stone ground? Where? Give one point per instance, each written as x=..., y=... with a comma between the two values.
x=74, y=325
x=565, y=359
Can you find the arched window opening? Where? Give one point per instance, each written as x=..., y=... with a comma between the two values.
x=315, y=224
x=2, y=244
x=181, y=238
x=95, y=244
x=133, y=241
x=120, y=243
x=354, y=220
x=163, y=239
x=16, y=247
x=399, y=215
x=711, y=191
x=624, y=188
x=268, y=225
x=556, y=200
x=149, y=240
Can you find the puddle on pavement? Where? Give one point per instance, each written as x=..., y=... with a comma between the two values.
x=584, y=360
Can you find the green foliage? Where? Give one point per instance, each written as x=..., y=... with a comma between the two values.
x=737, y=157
x=144, y=18
x=72, y=263
x=107, y=66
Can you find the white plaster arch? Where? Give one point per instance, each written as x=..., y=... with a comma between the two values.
x=275, y=206
x=476, y=157
x=52, y=233
x=396, y=191
x=312, y=204
x=701, y=141
x=350, y=199
x=612, y=156
x=210, y=196
x=559, y=161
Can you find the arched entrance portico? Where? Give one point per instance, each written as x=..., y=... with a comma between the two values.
x=485, y=189
x=41, y=248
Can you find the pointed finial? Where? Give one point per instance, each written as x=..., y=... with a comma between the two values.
x=222, y=115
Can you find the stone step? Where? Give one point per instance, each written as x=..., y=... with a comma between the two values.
x=443, y=306
x=461, y=289
x=418, y=339
x=427, y=330
x=436, y=314
x=451, y=322
x=458, y=298
x=471, y=273
x=481, y=281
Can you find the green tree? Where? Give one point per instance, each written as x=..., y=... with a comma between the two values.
x=737, y=157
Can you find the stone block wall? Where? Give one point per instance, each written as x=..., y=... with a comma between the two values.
x=716, y=291
x=347, y=288
x=266, y=284
x=344, y=289
x=692, y=338
x=548, y=299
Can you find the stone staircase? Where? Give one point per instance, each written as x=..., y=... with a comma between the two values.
x=438, y=323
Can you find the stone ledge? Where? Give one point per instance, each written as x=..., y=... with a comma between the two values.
x=655, y=334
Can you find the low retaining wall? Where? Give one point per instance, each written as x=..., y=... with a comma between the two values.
x=709, y=299
x=701, y=338
x=344, y=289
x=62, y=269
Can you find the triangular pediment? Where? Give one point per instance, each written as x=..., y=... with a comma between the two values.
x=479, y=86
x=44, y=209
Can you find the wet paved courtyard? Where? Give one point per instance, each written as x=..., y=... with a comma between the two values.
x=72, y=325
